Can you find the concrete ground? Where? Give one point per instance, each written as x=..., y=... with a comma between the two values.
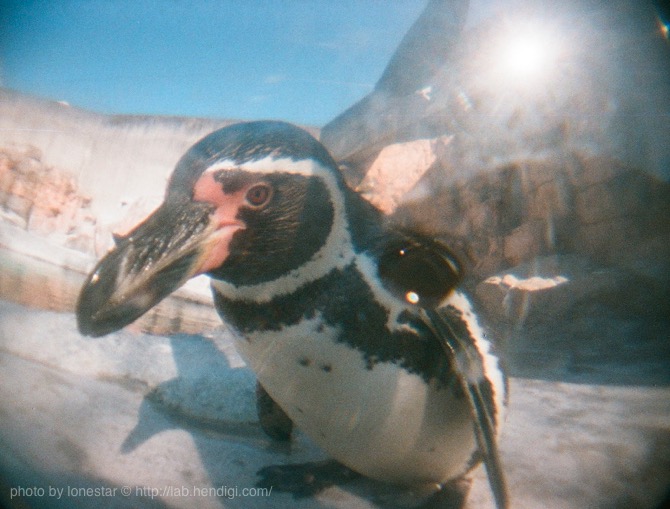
x=142, y=421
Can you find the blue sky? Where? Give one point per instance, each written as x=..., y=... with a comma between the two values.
x=303, y=61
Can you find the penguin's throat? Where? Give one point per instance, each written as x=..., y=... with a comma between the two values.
x=336, y=254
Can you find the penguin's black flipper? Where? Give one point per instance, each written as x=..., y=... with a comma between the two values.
x=451, y=329
x=424, y=272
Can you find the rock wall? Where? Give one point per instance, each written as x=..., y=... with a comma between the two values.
x=114, y=159
x=592, y=206
x=521, y=174
x=44, y=200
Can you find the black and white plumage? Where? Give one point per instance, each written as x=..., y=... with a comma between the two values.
x=354, y=328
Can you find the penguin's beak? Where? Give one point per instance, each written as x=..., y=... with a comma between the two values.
x=178, y=241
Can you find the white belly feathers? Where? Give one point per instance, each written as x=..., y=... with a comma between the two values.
x=383, y=422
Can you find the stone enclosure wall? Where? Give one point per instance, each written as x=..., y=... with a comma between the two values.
x=593, y=206
x=44, y=200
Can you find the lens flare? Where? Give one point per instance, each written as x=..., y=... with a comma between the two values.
x=412, y=297
x=664, y=29
x=527, y=53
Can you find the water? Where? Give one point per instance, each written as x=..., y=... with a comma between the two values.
x=39, y=284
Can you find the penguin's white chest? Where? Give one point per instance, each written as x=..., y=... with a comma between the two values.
x=381, y=421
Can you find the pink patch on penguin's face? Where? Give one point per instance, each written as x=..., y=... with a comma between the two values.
x=208, y=190
x=224, y=220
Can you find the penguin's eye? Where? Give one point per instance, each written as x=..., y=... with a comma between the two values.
x=421, y=271
x=259, y=195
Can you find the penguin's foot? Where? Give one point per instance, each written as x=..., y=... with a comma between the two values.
x=276, y=424
x=305, y=479
x=451, y=495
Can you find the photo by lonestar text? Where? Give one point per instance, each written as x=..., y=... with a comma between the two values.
x=60, y=492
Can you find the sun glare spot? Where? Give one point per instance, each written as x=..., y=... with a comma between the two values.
x=527, y=53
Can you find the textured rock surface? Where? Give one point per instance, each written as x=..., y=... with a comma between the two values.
x=114, y=158
x=44, y=200
x=551, y=288
x=592, y=206
x=397, y=169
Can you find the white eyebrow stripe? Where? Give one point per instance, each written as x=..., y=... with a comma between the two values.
x=336, y=253
x=269, y=165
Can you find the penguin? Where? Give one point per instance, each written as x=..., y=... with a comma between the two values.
x=357, y=330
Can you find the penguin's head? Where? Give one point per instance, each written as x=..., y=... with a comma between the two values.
x=258, y=206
